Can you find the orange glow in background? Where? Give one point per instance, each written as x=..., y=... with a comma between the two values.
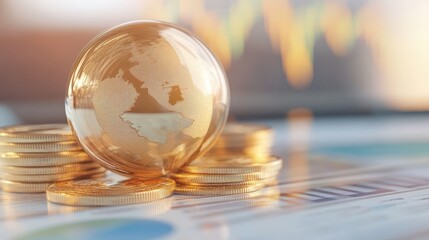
x=393, y=72
x=395, y=31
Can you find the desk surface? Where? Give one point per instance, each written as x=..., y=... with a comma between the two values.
x=343, y=178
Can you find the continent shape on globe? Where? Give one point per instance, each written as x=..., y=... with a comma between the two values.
x=155, y=98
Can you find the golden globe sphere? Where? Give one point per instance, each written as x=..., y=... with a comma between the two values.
x=145, y=98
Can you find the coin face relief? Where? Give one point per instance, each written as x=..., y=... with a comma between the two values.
x=146, y=97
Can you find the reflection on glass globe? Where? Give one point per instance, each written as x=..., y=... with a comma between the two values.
x=145, y=98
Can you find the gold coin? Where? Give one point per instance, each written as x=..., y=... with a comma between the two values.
x=266, y=182
x=244, y=129
x=223, y=142
x=232, y=165
x=39, y=147
x=241, y=148
x=259, y=157
x=186, y=178
x=219, y=190
x=51, y=177
x=43, y=159
x=230, y=148
x=18, y=187
x=36, y=133
x=259, y=148
x=108, y=192
x=69, y=168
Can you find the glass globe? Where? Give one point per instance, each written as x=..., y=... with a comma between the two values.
x=145, y=98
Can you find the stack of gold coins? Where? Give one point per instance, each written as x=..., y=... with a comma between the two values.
x=32, y=157
x=249, y=139
x=225, y=175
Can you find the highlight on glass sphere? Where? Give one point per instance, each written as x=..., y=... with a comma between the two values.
x=145, y=98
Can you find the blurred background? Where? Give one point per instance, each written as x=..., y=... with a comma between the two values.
x=333, y=57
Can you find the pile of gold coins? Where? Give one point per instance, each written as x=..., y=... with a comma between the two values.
x=240, y=162
x=39, y=158
x=32, y=157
